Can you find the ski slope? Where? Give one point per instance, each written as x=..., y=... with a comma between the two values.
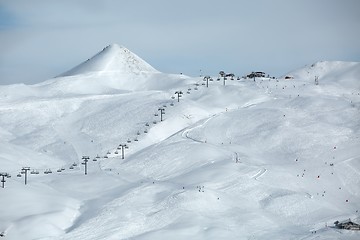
x=263, y=159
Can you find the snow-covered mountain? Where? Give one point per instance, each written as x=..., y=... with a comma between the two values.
x=270, y=159
x=113, y=58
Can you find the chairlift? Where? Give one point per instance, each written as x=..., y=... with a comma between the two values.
x=156, y=114
x=116, y=152
x=62, y=169
x=211, y=79
x=203, y=84
x=188, y=92
x=59, y=170
x=97, y=156
x=136, y=140
x=33, y=172
x=19, y=175
x=145, y=131
x=74, y=164
x=46, y=172
x=108, y=152
x=94, y=160
x=49, y=171
x=106, y=156
x=36, y=172
x=126, y=147
x=71, y=167
x=138, y=133
x=171, y=104
x=147, y=124
x=172, y=97
x=218, y=79
x=154, y=122
x=164, y=106
x=189, y=89
x=128, y=141
x=196, y=88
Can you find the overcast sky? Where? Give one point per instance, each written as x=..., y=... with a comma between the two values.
x=40, y=39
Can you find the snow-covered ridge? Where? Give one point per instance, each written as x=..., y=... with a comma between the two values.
x=113, y=58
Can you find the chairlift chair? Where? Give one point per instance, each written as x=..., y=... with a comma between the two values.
x=147, y=124
x=108, y=152
x=156, y=114
x=106, y=156
x=71, y=167
x=33, y=172
x=19, y=175
x=94, y=160
x=136, y=140
x=62, y=169
x=116, y=152
x=128, y=141
x=171, y=104
x=59, y=170
x=74, y=164
x=145, y=131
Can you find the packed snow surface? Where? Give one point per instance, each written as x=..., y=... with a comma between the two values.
x=263, y=159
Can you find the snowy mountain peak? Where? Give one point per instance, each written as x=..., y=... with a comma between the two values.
x=113, y=58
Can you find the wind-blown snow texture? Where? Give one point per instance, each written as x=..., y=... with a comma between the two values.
x=264, y=159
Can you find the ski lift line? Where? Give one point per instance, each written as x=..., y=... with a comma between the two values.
x=48, y=170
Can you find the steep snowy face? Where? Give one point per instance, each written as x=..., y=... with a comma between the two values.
x=113, y=58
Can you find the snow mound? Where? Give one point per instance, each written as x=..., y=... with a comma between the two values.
x=113, y=58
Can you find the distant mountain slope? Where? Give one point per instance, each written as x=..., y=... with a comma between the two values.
x=113, y=58
x=338, y=72
x=113, y=69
